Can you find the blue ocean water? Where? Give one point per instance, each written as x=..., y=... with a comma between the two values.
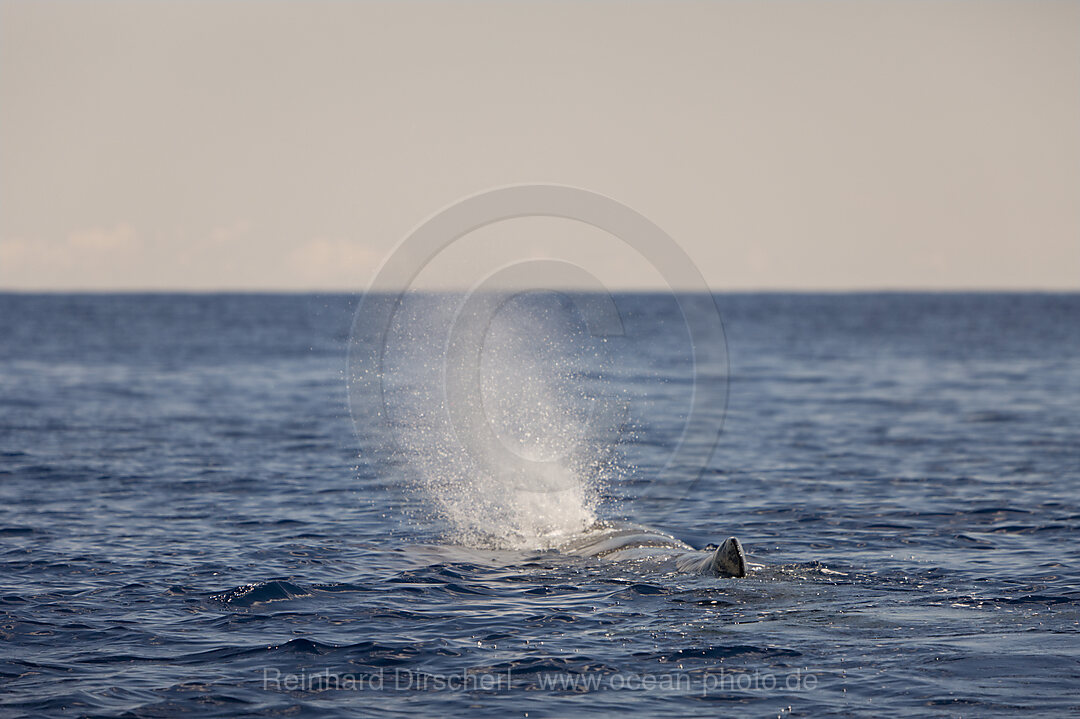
x=193, y=522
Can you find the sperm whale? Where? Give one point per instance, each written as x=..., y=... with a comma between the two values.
x=631, y=542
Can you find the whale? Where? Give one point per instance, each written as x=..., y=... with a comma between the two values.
x=623, y=542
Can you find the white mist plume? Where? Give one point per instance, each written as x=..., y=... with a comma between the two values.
x=498, y=416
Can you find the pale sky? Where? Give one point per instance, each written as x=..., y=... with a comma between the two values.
x=922, y=144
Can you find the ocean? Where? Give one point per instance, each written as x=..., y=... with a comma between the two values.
x=226, y=505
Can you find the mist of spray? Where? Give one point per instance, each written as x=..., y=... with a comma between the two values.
x=499, y=416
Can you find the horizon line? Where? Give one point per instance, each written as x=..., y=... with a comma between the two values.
x=618, y=290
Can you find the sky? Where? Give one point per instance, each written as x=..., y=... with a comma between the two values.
x=247, y=145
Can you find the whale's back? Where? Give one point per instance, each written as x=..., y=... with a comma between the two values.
x=623, y=540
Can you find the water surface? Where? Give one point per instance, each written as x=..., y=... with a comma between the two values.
x=186, y=526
